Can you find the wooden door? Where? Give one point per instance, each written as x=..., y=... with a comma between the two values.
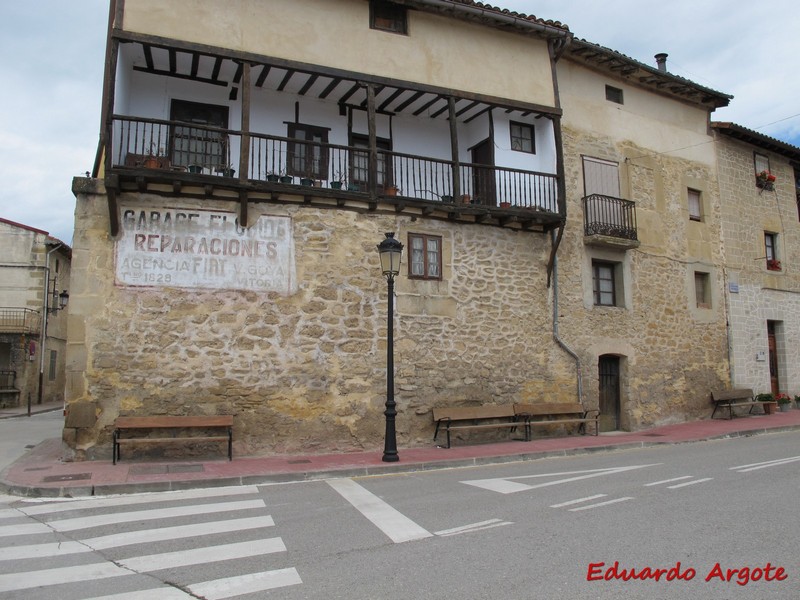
x=483, y=179
x=608, y=371
x=773, y=358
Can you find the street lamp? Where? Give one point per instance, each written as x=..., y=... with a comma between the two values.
x=390, y=251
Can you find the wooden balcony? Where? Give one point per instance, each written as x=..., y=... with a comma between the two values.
x=192, y=160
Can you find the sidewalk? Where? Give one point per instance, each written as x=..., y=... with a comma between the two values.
x=41, y=471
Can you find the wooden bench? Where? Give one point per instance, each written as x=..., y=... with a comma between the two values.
x=135, y=430
x=557, y=413
x=477, y=417
x=730, y=399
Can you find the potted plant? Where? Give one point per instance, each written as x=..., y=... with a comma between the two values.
x=784, y=402
x=505, y=205
x=767, y=402
x=338, y=181
x=227, y=171
x=273, y=177
x=153, y=158
x=765, y=180
x=392, y=190
x=773, y=264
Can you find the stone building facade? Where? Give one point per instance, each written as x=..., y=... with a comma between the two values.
x=34, y=272
x=221, y=266
x=761, y=222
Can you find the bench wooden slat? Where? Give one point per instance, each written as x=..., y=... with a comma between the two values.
x=464, y=413
x=133, y=430
x=170, y=421
x=730, y=399
x=553, y=408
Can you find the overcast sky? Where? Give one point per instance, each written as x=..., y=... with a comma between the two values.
x=51, y=88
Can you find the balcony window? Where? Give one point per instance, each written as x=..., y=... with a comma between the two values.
x=308, y=160
x=197, y=145
x=425, y=260
x=522, y=139
x=360, y=162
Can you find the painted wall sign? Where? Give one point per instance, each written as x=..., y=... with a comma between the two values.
x=167, y=247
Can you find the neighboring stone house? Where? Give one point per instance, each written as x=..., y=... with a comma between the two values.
x=638, y=150
x=225, y=247
x=761, y=230
x=34, y=278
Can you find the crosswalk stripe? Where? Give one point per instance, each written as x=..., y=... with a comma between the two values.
x=74, y=574
x=152, y=514
x=9, y=513
x=43, y=550
x=24, y=529
x=133, y=499
x=128, y=538
x=246, y=584
x=154, y=562
x=196, y=556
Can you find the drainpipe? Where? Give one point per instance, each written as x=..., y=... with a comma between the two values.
x=43, y=332
x=558, y=340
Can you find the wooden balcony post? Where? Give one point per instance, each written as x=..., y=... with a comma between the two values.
x=451, y=105
x=373, y=142
x=244, y=142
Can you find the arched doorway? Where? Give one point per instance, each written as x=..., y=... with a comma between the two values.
x=609, y=381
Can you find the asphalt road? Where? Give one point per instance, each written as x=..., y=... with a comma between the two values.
x=551, y=529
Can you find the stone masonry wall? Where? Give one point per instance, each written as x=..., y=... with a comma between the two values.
x=306, y=371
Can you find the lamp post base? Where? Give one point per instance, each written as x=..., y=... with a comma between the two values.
x=390, y=457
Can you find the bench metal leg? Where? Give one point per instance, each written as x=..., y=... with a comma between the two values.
x=230, y=444
x=114, y=448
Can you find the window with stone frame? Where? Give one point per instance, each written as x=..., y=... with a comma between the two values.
x=605, y=283
x=771, y=251
x=702, y=289
x=425, y=256
x=694, y=198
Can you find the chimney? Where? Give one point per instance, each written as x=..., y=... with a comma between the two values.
x=661, y=61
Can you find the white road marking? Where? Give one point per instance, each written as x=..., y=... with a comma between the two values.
x=505, y=485
x=162, y=593
x=208, y=554
x=128, y=500
x=663, y=481
x=606, y=503
x=680, y=485
x=578, y=501
x=473, y=527
x=765, y=464
x=149, y=515
x=74, y=574
x=44, y=550
x=24, y=529
x=394, y=524
x=245, y=584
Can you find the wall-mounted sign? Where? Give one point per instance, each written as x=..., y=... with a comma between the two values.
x=167, y=247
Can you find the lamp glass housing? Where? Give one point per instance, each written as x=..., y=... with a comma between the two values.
x=390, y=252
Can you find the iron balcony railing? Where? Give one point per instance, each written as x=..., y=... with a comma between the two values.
x=19, y=320
x=171, y=145
x=605, y=215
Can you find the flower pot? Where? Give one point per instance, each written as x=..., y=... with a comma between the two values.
x=336, y=185
x=195, y=168
x=770, y=407
x=151, y=162
x=306, y=181
x=505, y=205
x=466, y=199
x=272, y=177
x=287, y=179
x=392, y=190
x=786, y=407
x=353, y=187
x=447, y=198
x=226, y=172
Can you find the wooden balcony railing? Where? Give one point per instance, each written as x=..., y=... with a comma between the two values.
x=157, y=144
x=613, y=217
x=19, y=320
